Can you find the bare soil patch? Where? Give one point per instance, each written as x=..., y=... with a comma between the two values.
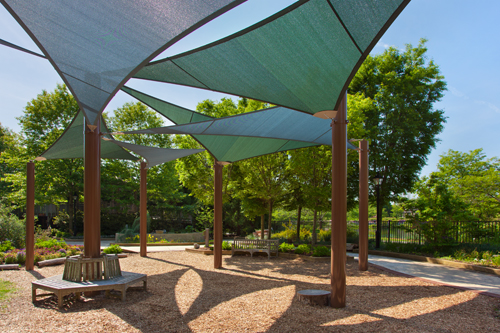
x=186, y=294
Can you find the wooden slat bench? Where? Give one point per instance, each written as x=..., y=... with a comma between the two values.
x=60, y=287
x=255, y=245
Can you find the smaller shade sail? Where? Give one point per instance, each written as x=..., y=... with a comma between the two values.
x=70, y=144
x=273, y=123
x=227, y=147
x=153, y=155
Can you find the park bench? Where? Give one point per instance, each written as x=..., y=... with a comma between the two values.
x=255, y=245
x=88, y=274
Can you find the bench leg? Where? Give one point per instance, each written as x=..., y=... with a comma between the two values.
x=145, y=285
x=33, y=294
x=77, y=296
x=60, y=300
x=124, y=291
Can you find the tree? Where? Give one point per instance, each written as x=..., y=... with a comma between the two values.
x=473, y=178
x=313, y=168
x=9, y=149
x=43, y=121
x=435, y=210
x=402, y=124
x=262, y=178
x=121, y=178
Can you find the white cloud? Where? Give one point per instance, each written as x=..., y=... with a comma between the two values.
x=490, y=105
x=457, y=92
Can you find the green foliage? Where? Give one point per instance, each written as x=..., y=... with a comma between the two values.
x=434, y=211
x=303, y=249
x=325, y=235
x=226, y=246
x=321, y=251
x=6, y=246
x=11, y=228
x=286, y=247
x=113, y=249
x=401, y=122
x=474, y=179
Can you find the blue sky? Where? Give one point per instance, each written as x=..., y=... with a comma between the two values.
x=462, y=39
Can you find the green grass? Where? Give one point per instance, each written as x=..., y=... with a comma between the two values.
x=6, y=287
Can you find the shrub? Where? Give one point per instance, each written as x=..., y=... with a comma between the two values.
x=226, y=246
x=10, y=258
x=21, y=257
x=321, y=251
x=113, y=249
x=11, y=228
x=6, y=246
x=303, y=249
x=285, y=247
x=325, y=235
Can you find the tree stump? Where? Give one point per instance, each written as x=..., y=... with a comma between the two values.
x=315, y=297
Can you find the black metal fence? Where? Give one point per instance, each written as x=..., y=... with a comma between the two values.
x=459, y=231
x=402, y=231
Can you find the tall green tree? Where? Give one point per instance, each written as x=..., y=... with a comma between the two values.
x=474, y=178
x=402, y=124
x=9, y=149
x=121, y=179
x=43, y=121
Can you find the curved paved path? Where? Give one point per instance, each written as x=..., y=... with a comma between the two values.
x=459, y=278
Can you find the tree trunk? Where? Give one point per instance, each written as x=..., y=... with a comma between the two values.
x=270, y=219
x=299, y=211
x=262, y=226
x=313, y=241
x=71, y=212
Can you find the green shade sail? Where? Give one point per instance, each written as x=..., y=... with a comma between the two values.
x=96, y=45
x=243, y=136
x=153, y=155
x=70, y=144
x=303, y=57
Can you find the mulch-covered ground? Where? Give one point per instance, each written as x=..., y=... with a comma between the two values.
x=186, y=294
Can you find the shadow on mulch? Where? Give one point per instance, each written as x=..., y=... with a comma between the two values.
x=157, y=309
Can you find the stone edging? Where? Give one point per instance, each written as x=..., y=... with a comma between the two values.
x=444, y=262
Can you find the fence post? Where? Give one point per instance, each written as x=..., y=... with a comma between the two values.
x=389, y=232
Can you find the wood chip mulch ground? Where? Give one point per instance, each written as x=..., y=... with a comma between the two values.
x=186, y=294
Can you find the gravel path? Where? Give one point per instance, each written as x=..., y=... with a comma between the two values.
x=186, y=294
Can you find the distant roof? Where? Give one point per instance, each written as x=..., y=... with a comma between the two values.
x=303, y=57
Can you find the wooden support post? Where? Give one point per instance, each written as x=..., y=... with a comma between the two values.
x=30, y=215
x=339, y=206
x=217, y=215
x=363, y=205
x=143, y=211
x=92, y=191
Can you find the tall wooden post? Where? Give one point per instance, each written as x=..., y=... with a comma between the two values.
x=143, y=211
x=363, y=205
x=217, y=215
x=92, y=191
x=30, y=215
x=339, y=206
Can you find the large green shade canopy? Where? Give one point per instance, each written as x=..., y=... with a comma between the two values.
x=97, y=45
x=303, y=57
x=70, y=144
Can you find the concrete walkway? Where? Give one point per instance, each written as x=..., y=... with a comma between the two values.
x=455, y=277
